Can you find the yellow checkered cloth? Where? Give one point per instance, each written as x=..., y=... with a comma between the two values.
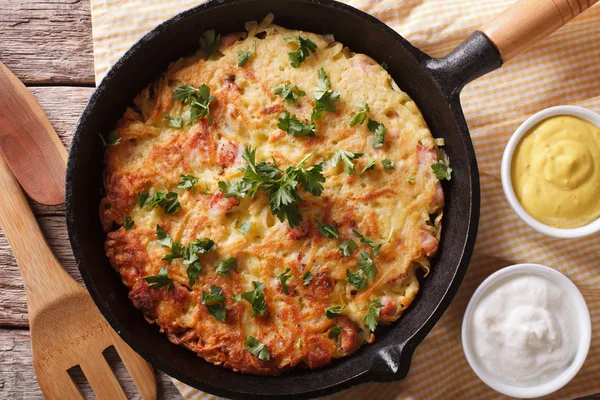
x=562, y=69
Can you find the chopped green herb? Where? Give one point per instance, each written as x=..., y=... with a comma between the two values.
x=387, y=164
x=329, y=231
x=283, y=278
x=167, y=201
x=159, y=281
x=384, y=65
x=215, y=302
x=332, y=311
x=347, y=247
x=203, y=246
x=143, y=198
x=233, y=188
x=358, y=280
x=193, y=272
x=370, y=242
x=290, y=124
x=111, y=140
x=226, y=265
x=244, y=55
x=207, y=190
x=334, y=332
x=369, y=166
x=441, y=170
x=187, y=182
x=366, y=265
x=256, y=298
x=307, y=276
x=289, y=92
x=176, y=251
x=345, y=157
x=175, y=122
x=128, y=224
x=304, y=46
x=372, y=315
x=163, y=237
x=210, y=42
x=257, y=348
x=361, y=115
x=410, y=180
x=244, y=228
x=325, y=98
x=379, y=131
x=198, y=99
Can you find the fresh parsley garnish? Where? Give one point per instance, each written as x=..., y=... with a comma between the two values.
x=325, y=98
x=169, y=202
x=370, y=242
x=347, y=247
x=366, y=265
x=329, y=231
x=210, y=42
x=441, y=170
x=307, y=276
x=361, y=115
x=372, y=315
x=215, y=302
x=387, y=164
x=175, y=122
x=358, y=279
x=244, y=227
x=384, y=65
x=283, y=278
x=187, y=182
x=292, y=125
x=334, y=332
x=332, y=311
x=289, y=92
x=207, y=190
x=175, y=251
x=368, y=167
x=143, y=197
x=226, y=265
x=379, y=131
x=281, y=186
x=198, y=99
x=163, y=237
x=410, y=180
x=194, y=268
x=159, y=281
x=257, y=348
x=345, y=157
x=203, y=246
x=244, y=55
x=256, y=298
x=111, y=140
x=128, y=224
x=305, y=46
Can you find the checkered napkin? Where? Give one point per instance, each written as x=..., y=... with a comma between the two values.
x=563, y=69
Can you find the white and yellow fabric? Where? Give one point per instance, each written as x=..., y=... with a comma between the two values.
x=563, y=69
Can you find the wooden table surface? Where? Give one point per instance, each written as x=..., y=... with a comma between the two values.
x=48, y=45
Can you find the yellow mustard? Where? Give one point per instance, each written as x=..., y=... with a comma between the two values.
x=556, y=172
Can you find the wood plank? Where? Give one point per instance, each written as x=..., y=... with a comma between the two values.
x=47, y=41
x=18, y=381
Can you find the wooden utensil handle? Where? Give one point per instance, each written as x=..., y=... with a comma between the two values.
x=528, y=21
x=44, y=278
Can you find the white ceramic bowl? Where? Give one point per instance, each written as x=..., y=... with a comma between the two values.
x=509, y=151
x=585, y=332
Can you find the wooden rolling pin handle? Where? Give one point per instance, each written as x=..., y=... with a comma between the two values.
x=528, y=21
x=42, y=274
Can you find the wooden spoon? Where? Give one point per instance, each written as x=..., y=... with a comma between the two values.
x=66, y=327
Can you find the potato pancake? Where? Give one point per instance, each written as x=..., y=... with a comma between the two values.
x=269, y=199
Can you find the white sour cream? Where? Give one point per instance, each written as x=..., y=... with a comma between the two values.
x=524, y=331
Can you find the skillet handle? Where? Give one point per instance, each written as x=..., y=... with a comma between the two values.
x=527, y=22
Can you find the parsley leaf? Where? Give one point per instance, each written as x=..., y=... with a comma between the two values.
x=226, y=265
x=410, y=180
x=379, y=131
x=163, y=237
x=332, y=311
x=370, y=242
x=256, y=298
x=307, y=276
x=159, y=281
x=361, y=115
x=347, y=247
x=325, y=98
x=283, y=278
x=329, y=231
x=366, y=265
x=369, y=166
x=441, y=170
x=128, y=224
x=111, y=140
x=168, y=202
x=210, y=42
x=244, y=55
x=289, y=92
x=257, y=348
x=384, y=65
x=193, y=271
x=387, y=164
x=295, y=127
x=304, y=46
x=372, y=314
x=143, y=198
x=176, y=251
x=233, y=188
x=187, y=182
x=358, y=280
x=198, y=99
x=157, y=199
x=334, y=332
x=203, y=246
x=244, y=228
x=175, y=122
x=345, y=157
x=215, y=302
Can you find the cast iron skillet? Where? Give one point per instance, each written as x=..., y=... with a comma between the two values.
x=434, y=84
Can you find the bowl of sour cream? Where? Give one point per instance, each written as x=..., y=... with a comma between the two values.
x=526, y=331
x=551, y=171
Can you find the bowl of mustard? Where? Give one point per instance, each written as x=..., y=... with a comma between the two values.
x=551, y=171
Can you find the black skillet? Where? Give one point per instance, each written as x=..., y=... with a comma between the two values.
x=434, y=84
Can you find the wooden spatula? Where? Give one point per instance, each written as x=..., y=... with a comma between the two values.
x=66, y=327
